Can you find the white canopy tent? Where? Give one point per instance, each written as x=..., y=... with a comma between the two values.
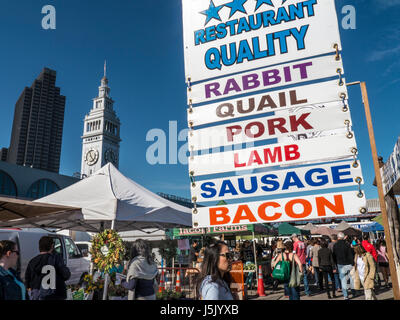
x=106, y=197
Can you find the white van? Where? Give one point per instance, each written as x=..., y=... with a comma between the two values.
x=28, y=246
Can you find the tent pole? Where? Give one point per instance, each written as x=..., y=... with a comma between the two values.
x=107, y=276
x=255, y=256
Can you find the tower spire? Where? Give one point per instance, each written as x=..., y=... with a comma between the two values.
x=105, y=68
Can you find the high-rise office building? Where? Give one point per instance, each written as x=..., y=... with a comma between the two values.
x=38, y=125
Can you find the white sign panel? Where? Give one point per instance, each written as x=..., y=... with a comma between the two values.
x=257, y=81
x=257, y=104
x=294, y=121
x=223, y=37
x=335, y=147
x=300, y=179
x=391, y=170
x=330, y=205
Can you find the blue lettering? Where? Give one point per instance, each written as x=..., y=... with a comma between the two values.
x=199, y=37
x=336, y=174
x=256, y=48
x=321, y=180
x=221, y=31
x=213, y=59
x=231, y=25
x=242, y=186
x=282, y=35
x=210, y=33
x=243, y=26
x=227, y=187
x=288, y=183
x=244, y=52
x=255, y=26
x=208, y=187
x=232, y=53
x=267, y=180
x=296, y=11
x=299, y=36
x=282, y=15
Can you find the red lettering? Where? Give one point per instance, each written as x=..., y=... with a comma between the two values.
x=295, y=123
x=273, y=157
x=232, y=131
x=277, y=123
x=254, y=157
x=248, y=215
x=219, y=216
x=236, y=161
x=337, y=207
x=291, y=152
x=260, y=128
x=307, y=208
x=262, y=211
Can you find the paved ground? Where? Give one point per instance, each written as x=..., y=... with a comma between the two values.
x=382, y=294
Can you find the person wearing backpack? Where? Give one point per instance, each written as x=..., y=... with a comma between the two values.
x=282, y=269
x=39, y=271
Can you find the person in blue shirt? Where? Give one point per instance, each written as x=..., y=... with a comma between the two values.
x=214, y=279
x=11, y=286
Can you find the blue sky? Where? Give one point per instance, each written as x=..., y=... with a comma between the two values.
x=143, y=44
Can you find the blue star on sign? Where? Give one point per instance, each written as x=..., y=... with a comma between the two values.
x=261, y=2
x=212, y=12
x=236, y=5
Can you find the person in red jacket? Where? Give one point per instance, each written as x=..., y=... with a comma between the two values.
x=369, y=247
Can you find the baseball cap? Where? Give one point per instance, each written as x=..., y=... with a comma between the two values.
x=293, y=235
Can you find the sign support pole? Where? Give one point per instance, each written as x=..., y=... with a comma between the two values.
x=393, y=273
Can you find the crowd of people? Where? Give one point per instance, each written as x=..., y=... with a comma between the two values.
x=348, y=263
x=331, y=264
x=46, y=274
x=335, y=264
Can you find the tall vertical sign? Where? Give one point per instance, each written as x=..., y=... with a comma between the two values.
x=271, y=129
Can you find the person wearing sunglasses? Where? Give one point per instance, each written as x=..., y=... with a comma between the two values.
x=214, y=278
x=11, y=286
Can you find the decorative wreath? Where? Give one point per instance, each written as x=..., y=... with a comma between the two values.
x=107, y=250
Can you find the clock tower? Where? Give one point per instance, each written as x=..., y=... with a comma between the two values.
x=100, y=140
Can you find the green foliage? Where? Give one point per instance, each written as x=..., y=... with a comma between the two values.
x=169, y=295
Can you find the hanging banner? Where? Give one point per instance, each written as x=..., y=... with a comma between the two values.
x=256, y=81
x=223, y=37
x=272, y=101
x=335, y=147
x=299, y=179
x=294, y=121
x=331, y=205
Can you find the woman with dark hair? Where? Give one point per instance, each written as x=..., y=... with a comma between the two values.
x=289, y=255
x=383, y=260
x=142, y=271
x=327, y=267
x=214, y=278
x=11, y=286
x=364, y=267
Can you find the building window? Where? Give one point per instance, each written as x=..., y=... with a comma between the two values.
x=42, y=188
x=7, y=185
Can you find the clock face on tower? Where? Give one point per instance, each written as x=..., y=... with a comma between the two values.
x=110, y=156
x=91, y=157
